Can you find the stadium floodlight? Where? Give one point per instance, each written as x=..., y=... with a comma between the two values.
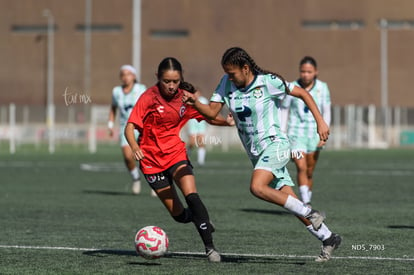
x=50, y=117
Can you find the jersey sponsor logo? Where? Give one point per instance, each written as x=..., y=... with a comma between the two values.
x=257, y=93
x=182, y=111
x=239, y=97
x=128, y=107
x=265, y=159
x=243, y=112
x=160, y=109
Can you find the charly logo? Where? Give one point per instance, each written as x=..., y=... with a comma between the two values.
x=160, y=109
x=257, y=93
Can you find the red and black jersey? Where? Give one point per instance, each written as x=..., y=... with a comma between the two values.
x=159, y=122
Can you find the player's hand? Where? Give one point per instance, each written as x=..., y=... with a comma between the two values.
x=321, y=144
x=110, y=132
x=323, y=130
x=230, y=120
x=189, y=98
x=138, y=154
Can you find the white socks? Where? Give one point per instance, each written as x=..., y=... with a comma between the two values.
x=297, y=207
x=322, y=234
x=305, y=193
x=134, y=174
x=201, y=155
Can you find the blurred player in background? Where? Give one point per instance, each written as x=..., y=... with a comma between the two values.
x=197, y=133
x=124, y=98
x=302, y=127
x=159, y=115
x=253, y=96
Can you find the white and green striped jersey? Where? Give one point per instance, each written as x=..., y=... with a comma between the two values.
x=256, y=110
x=125, y=102
x=301, y=122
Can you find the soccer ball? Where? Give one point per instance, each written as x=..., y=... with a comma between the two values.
x=151, y=242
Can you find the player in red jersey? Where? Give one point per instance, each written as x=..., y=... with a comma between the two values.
x=159, y=115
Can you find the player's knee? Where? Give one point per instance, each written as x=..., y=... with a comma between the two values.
x=184, y=217
x=309, y=173
x=192, y=198
x=256, y=190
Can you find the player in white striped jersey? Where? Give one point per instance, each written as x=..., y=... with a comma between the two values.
x=301, y=126
x=253, y=96
x=124, y=98
x=197, y=134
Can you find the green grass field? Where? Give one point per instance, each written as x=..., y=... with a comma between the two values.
x=56, y=218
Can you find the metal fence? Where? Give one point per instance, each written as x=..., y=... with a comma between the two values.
x=352, y=127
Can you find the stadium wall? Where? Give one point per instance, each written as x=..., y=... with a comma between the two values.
x=343, y=36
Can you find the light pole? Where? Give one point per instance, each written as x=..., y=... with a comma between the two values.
x=136, y=37
x=88, y=44
x=50, y=116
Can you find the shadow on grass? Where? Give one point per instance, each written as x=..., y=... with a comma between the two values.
x=109, y=193
x=266, y=211
x=252, y=259
x=130, y=253
x=103, y=252
x=400, y=226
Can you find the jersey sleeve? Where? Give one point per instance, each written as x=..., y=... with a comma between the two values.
x=191, y=113
x=219, y=93
x=326, y=105
x=142, y=88
x=277, y=88
x=138, y=112
x=114, y=98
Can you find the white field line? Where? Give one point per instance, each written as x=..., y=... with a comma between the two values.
x=210, y=169
x=224, y=254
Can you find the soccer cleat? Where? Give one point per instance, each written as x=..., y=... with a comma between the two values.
x=316, y=218
x=153, y=193
x=136, y=187
x=328, y=246
x=213, y=256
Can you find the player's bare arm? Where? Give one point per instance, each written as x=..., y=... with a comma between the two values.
x=210, y=111
x=130, y=136
x=323, y=128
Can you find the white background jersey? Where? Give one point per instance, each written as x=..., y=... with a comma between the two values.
x=256, y=110
x=301, y=122
x=125, y=102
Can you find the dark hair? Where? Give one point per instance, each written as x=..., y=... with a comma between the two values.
x=239, y=57
x=170, y=63
x=308, y=60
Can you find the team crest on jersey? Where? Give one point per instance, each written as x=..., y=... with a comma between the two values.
x=257, y=93
x=182, y=110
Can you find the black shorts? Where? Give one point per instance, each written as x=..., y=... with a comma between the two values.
x=164, y=178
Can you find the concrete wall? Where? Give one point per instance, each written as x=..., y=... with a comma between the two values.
x=271, y=31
